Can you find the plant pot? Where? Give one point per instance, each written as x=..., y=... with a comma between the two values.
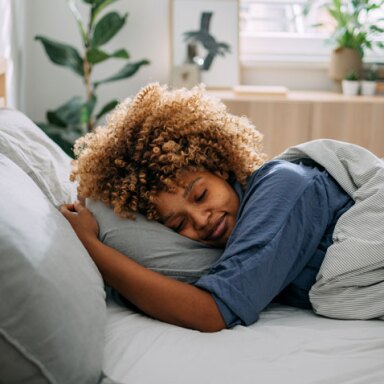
x=368, y=88
x=343, y=61
x=350, y=87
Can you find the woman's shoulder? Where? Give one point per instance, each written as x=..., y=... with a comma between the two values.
x=282, y=171
x=274, y=189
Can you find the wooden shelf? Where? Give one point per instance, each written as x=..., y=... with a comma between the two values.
x=2, y=82
x=296, y=117
x=303, y=96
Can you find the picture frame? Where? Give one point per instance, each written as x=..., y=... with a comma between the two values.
x=204, y=33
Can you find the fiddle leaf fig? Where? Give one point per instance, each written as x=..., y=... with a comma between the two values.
x=76, y=14
x=107, y=27
x=68, y=114
x=63, y=137
x=95, y=55
x=77, y=116
x=98, y=6
x=63, y=54
x=127, y=71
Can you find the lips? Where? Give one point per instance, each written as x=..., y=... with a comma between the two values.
x=218, y=229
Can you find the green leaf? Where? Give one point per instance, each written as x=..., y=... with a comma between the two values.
x=107, y=27
x=120, y=54
x=72, y=6
x=69, y=114
x=95, y=55
x=107, y=107
x=127, y=71
x=64, y=138
x=55, y=120
x=97, y=7
x=376, y=28
x=62, y=54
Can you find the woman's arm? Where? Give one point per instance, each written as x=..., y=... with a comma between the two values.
x=158, y=296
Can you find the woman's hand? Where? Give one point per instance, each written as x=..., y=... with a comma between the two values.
x=159, y=296
x=81, y=220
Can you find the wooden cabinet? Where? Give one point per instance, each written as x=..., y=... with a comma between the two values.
x=360, y=123
x=2, y=82
x=302, y=116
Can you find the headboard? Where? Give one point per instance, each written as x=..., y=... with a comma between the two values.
x=2, y=82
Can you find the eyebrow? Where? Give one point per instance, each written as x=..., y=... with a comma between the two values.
x=186, y=192
x=189, y=187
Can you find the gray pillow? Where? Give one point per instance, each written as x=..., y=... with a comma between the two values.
x=52, y=298
x=154, y=245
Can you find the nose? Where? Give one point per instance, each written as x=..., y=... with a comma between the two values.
x=200, y=218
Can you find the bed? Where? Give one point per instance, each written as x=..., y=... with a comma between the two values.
x=58, y=323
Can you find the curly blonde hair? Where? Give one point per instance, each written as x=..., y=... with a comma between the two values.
x=149, y=140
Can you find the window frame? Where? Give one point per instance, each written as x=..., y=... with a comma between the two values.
x=258, y=49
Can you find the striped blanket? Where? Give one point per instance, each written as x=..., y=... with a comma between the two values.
x=350, y=283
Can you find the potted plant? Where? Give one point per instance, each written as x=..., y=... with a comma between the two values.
x=368, y=83
x=355, y=31
x=80, y=114
x=350, y=84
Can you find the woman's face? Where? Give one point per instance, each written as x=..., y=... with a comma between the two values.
x=204, y=210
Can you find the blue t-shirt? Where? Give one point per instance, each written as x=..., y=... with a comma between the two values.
x=285, y=223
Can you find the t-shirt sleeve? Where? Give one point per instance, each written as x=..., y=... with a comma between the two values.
x=280, y=223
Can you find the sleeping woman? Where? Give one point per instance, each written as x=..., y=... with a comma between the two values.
x=179, y=157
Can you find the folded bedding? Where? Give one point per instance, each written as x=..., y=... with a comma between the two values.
x=350, y=283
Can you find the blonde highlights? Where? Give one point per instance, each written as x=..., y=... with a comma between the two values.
x=149, y=140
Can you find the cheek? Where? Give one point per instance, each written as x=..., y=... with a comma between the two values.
x=190, y=233
x=233, y=201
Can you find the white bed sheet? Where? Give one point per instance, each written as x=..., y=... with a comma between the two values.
x=287, y=345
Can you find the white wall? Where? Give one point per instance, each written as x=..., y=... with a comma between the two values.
x=145, y=35
x=47, y=86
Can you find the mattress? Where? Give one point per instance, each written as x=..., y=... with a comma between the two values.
x=287, y=345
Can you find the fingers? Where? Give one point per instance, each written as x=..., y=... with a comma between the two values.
x=71, y=209
x=77, y=208
x=66, y=208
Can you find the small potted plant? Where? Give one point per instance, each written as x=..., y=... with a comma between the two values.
x=368, y=84
x=356, y=28
x=350, y=84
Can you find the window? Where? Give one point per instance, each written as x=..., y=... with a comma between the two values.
x=282, y=16
x=285, y=31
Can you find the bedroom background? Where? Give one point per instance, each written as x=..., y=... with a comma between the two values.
x=297, y=62
x=55, y=322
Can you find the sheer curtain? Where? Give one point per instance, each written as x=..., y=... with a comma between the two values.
x=11, y=48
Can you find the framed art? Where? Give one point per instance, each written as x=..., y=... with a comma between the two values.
x=205, y=34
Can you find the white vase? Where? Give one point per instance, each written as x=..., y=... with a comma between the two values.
x=368, y=88
x=350, y=87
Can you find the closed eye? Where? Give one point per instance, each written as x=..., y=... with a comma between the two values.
x=201, y=197
x=180, y=226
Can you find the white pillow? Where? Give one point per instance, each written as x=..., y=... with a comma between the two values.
x=52, y=312
x=37, y=155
